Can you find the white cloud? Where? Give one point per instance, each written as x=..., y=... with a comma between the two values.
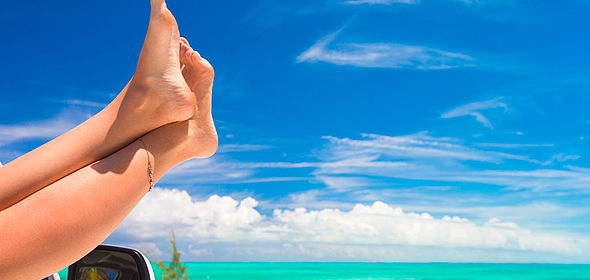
x=46, y=129
x=561, y=158
x=534, y=211
x=374, y=147
x=344, y=183
x=512, y=146
x=382, y=55
x=222, y=169
x=227, y=148
x=345, y=164
x=473, y=109
x=423, y=157
x=389, y=2
x=223, y=219
x=218, y=218
x=79, y=103
x=86, y=103
x=455, y=219
x=151, y=248
x=495, y=222
x=42, y=129
x=200, y=252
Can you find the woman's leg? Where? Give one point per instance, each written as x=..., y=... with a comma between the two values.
x=156, y=95
x=62, y=222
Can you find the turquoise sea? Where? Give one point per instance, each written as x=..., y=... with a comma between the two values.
x=380, y=271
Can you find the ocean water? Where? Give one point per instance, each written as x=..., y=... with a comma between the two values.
x=381, y=271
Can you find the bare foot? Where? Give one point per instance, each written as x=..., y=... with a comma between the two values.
x=195, y=137
x=198, y=74
x=158, y=87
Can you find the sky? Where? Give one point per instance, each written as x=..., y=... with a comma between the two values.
x=349, y=130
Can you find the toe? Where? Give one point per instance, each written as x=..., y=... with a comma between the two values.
x=198, y=63
x=192, y=59
x=185, y=52
x=195, y=56
x=157, y=4
x=185, y=41
x=183, y=47
x=188, y=55
x=158, y=7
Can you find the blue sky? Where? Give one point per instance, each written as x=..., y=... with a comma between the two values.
x=361, y=130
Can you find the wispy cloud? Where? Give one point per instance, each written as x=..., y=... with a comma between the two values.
x=389, y=2
x=561, y=158
x=382, y=55
x=423, y=157
x=344, y=164
x=45, y=129
x=345, y=183
x=224, y=219
x=78, y=102
x=222, y=169
x=512, y=145
x=227, y=148
x=473, y=109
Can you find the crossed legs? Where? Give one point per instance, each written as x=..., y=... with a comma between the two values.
x=156, y=95
x=55, y=215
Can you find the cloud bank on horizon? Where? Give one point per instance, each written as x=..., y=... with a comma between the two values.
x=224, y=220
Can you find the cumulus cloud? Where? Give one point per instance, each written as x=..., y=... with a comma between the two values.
x=223, y=219
x=473, y=109
x=382, y=55
x=217, y=218
x=495, y=222
x=151, y=248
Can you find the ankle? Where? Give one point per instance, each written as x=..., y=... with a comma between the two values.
x=167, y=147
x=203, y=140
x=136, y=102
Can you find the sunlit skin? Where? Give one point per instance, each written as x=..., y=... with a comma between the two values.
x=64, y=198
x=157, y=94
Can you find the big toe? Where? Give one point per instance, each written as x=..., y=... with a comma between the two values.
x=161, y=16
x=157, y=3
